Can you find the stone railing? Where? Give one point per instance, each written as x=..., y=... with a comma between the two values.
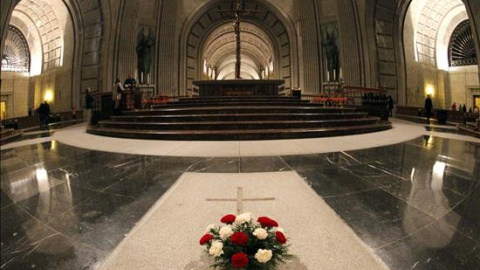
x=27, y=122
x=452, y=116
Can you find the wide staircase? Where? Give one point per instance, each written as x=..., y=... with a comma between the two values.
x=238, y=118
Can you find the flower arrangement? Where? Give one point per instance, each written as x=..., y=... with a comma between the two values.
x=244, y=244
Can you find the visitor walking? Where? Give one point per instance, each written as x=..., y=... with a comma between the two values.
x=117, y=95
x=390, y=105
x=428, y=108
x=89, y=105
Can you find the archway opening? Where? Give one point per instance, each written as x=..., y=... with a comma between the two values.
x=37, y=63
x=268, y=45
x=430, y=26
x=219, y=52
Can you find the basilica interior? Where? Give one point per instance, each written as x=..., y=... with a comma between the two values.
x=122, y=119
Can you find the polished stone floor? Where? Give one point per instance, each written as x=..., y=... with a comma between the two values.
x=416, y=204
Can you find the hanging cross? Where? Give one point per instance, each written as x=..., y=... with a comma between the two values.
x=237, y=14
x=240, y=200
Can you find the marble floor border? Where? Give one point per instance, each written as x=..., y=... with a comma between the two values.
x=402, y=131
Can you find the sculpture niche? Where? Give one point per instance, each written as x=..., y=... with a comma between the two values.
x=145, y=48
x=329, y=44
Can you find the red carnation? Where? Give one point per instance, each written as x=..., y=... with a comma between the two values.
x=228, y=219
x=280, y=237
x=205, y=239
x=267, y=222
x=239, y=260
x=239, y=239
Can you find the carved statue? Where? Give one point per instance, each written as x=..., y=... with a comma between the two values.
x=145, y=47
x=329, y=43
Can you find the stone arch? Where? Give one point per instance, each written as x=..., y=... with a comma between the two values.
x=461, y=46
x=206, y=19
x=85, y=21
x=47, y=22
x=16, y=55
x=221, y=45
x=388, y=25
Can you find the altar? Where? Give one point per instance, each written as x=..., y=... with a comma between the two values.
x=239, y=87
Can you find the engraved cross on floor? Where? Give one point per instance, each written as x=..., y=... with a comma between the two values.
x=240, y=200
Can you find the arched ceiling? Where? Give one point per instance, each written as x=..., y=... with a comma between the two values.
x=256, y=50
x=268, y=39
x=432, y=17
x=16, y=56
x=45, y=19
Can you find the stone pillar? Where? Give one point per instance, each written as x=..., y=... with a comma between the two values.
x=351, y=54
x=126, y=58
x=310, y=53
x=167, y=49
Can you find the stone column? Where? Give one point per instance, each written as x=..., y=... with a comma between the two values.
x=351, y=55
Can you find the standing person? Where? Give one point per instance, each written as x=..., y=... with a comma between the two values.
x=117, y=95
x=41, y=114
x=454, y=106
x=89, y=105
x=428, y=108
x=130, y=82
x=74, y=113
x=390, y=105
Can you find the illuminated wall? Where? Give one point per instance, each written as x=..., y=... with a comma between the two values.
x=429, y=25
x=48, y=31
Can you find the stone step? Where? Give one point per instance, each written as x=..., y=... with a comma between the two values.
x=241, y=110
x=238, y=125
x=303, y=103
x=247, y=98
x=255, y=134
x=9, y=135
x=238, y=117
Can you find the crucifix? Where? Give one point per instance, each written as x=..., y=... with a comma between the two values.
x=240, y=200
x=236, y=14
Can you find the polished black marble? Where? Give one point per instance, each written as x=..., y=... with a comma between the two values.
x=106, y=216
x=145, y=182
x=263, y=164
x=436, y=202
x=302, y=163
x=466, y=217
x=378, y=217
x=6, y=201
x=218, y=165
x=415, y=204
x=330, y=180
x=49, y=204
x=436, y=247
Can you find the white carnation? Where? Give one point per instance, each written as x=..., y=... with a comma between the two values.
x=225, y=232
x=263, y=255
x=260, y=233
x=245, y=217
x=210, y=227
x=216, y=249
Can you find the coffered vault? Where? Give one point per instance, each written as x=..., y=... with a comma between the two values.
x=256, y=50
x=268, y=40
